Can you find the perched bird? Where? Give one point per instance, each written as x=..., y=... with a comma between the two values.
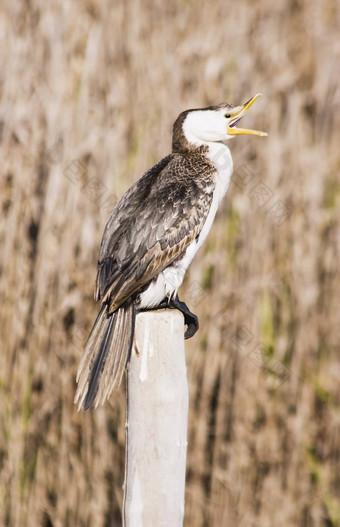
x=151, y=238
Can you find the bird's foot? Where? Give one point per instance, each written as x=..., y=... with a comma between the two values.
x=190, y=319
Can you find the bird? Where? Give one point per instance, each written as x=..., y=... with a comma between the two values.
x=151, y=238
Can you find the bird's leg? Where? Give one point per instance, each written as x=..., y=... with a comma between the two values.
x=190, y=319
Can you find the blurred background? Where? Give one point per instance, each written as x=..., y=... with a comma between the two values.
x=89, y=92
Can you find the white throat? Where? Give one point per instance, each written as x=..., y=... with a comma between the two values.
x=220, y=156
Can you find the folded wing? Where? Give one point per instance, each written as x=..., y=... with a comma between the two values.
x=151, y=226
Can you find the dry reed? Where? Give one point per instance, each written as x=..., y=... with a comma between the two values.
x=89, y=91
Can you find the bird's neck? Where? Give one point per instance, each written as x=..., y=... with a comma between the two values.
x=212, y=154
x=220, y=156
x=186, y=147
x=215, y=151
x=184, y=143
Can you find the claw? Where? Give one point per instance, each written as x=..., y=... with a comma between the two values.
x=190, y=319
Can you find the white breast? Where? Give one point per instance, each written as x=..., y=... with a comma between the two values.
x=220, y=155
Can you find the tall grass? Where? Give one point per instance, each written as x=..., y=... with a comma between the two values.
x=89, y=91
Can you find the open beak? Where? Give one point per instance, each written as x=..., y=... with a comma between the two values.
x=232, y=130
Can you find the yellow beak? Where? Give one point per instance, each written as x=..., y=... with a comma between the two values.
x=232, y=130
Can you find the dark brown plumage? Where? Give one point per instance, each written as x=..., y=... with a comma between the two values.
x=152, y=225
x=149, y=229
x=151, y=238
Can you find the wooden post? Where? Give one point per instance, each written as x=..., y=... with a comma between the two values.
x=156, y=428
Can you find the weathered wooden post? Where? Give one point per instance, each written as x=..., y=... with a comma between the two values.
x=156, y=428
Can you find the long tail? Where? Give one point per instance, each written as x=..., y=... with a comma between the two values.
x=106, y=355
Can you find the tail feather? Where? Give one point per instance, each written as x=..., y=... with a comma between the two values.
x=106, y=355
x=113, y=360
x=85, y=366
x=98, y=364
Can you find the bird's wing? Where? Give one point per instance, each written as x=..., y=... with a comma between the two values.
x=151, y=226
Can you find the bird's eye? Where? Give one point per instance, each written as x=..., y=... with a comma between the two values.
x=227, y=116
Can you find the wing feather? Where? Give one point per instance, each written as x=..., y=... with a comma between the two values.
x=151, y=226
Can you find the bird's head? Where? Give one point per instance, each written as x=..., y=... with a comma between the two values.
x=215, y=123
